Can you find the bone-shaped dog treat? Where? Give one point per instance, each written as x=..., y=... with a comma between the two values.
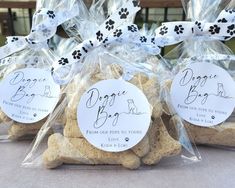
x=73, y=100
x=151, y=89
x=154, y=146
x=161, y=144
x=112, y=71
x=3, y=117
x=139, y=79
x=157, y=109
x=142, y=148
x=72, y=130
x=223, y=134
x=19, y=130
x=79, y=151
x=72, y=146
x=148, y=85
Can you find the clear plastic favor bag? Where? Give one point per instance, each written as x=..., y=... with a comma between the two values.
x=28, y=91
x=112, y=108
x=200, y=83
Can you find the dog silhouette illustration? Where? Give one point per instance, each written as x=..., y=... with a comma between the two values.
x=221, y=91
x=132, y=107
x=47, y=91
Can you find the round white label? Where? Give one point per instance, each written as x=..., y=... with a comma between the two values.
x=203, y=94
x=28, y=95
x=113, y=115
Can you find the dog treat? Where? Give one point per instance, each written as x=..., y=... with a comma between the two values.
x=72, y=130
x=142, y=148
x=161, y=144
x=72, y=147
x=17, y=131
x=223, y=134
x=151, y=89
x=78, y=151
x=3, y=117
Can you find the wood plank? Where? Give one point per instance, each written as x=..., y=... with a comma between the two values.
x=143, y=3
x=161, y=3
x=18, y=4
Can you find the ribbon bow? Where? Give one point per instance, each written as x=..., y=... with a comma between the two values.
x=44, y=26
x=114, y=30
x=222, y=29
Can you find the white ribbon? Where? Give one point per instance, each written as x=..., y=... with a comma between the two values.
x=113, y=30
x=222, y=29
x=44, y=27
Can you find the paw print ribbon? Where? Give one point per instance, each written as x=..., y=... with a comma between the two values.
x=222, y=29
x=114, y=30
x=44, y=26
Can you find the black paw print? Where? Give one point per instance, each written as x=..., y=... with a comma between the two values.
x=52, y=70
x=76, y=54
x=231, y=29
x=225, y=38
x=163, y=30
x=34, y=115
x=132, y=28
x=179, y=29
x=153, y=41
x=214, y=29
x=85, y=50
x=230, y=11
x=110, y=24
x=14, y=39
x=99, y=36
x=105, y=40
x=117, y=33
x=127, y=139
x=51, y=14
x=135, y=3
x=199, y=25
x=123, y=13
x=91, y=43
x=30, y=41
x=63, y=61
x=212, y=117
x=143, y=39
x=222, y=20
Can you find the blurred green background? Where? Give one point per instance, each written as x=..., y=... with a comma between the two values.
x=2, y=40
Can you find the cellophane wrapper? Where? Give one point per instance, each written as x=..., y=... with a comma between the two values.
x=201, y=50
x=39, y=56
x=127, y=63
